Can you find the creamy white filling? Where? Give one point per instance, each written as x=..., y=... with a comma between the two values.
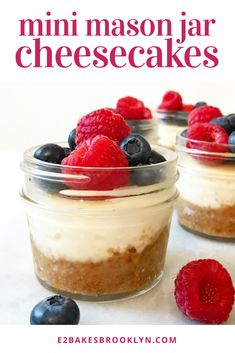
x=167, y=134
x=207, y=185
x=88, y=230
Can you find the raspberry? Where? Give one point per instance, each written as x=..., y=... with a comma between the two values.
x=99, y=152
x=212, y=137
x=147, y=113
x=102, y=122
x=203, y=114
x=204, y=291
x=187, y=107
x=75, y=158
x=130, y=108
x=171, y=101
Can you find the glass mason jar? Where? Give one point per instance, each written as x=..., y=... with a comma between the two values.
x=206, y=205
x=169, y=124
x=148, y=128
x=95, y=244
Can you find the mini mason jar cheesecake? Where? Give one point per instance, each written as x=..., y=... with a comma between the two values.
x=207, y=179
x=172, y=117
x=169, y=124
x=98, y=231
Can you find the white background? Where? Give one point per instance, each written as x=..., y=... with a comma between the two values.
x=43, y=105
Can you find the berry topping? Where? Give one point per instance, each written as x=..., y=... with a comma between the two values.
x=67, y=151
x=155, y=158
x=131, y=108
x=102, y=122
x=147, y=113
x=136, y=149
x=207, y=137
x=99, y=152
x=207, y=132
x=224, y=123
x=204, y=291
x=171, y=101
x=149, y=175
x=75, y=158
x=203, y=114
x=71, y=139
x=231, y=141
x=55, y=310
x=104, y=152
x=187, y=107
x=231, y=119
x=200, y=104
x=50, y=153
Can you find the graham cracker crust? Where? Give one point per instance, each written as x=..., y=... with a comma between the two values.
x=216, y=222
x=120, y=273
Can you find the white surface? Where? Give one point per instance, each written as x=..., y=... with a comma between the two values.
x=20, y=290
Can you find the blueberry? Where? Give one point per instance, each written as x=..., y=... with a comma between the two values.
x=151, y=175
x=200, y=104
x=231, y=142
x=231, y=118
x=136, y=149
x=71, y=139
x=155, y=158
x=143, y=177
x=55, y=310
x=224, y=123
x=67, y=151
x=50, y=153
x=147, y=176
x=184, y=133
x=50, y=186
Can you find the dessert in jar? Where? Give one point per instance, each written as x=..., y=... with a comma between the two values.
x=138, y=117
x=172, y=116
x=207, y=174
x=99, y=211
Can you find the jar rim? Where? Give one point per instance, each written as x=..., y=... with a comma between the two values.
x=51, y=167
x=181, y=146
x=169, y=114
x=142, y=123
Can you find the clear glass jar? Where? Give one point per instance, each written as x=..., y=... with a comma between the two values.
x=169, y=124
x=148, y=128
x=99, y=245
x=206, y=205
